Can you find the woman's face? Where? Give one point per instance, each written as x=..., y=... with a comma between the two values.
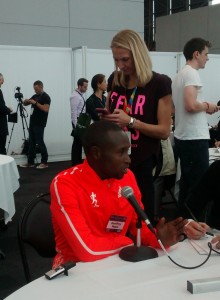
x=124, y=60
x=103, y=85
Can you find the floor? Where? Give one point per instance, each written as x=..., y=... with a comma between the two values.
x=32, y=183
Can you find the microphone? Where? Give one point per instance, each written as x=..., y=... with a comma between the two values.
x=127, y=192
x=137, y=252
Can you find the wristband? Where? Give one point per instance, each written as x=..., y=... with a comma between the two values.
x=189, y=221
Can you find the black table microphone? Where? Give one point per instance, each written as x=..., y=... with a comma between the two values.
x=137, y=252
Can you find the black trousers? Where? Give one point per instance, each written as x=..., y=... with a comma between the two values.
x=36, y=136
x=144, y=178
x=76, y=153
x=2, y=144
x=206, y=192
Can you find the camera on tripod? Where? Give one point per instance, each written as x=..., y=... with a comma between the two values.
x=18, y=95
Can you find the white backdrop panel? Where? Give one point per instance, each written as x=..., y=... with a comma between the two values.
x=89, y=62
x=21, y=66
x=164, y=63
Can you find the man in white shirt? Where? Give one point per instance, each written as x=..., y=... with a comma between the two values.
x=191, y=127
x=77, y=105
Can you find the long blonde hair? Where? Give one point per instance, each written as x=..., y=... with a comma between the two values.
x=132, y=41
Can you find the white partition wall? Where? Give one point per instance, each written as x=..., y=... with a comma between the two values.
x=21, y=66
x=88, y=62
x=164, y=63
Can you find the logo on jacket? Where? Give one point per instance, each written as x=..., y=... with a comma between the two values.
x=94, y=200
x=119, y=191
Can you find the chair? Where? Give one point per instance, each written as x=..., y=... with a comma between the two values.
x=35, y=228
x=164, y=176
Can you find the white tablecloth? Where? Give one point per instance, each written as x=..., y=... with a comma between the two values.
x=115, y=279
x=8, y=185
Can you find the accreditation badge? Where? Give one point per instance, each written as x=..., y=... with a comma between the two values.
x=116, y=223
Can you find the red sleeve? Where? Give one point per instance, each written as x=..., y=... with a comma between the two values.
x=73, y=236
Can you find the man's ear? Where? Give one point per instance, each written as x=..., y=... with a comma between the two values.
x=96, y=152
x=196, y=54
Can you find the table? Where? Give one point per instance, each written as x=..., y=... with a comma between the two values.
x=114, y=279
x=8, y=185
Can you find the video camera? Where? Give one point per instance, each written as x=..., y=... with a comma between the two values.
x=18, y=95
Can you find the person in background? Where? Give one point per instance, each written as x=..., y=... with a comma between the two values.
x=203, y=203
x=77, y=105
x=40, y=105
x=191, y=133
x=91, y=218
x=4, y=111
x=197, y=230
x=140, y=102
x=217, y=144
x=97, y=99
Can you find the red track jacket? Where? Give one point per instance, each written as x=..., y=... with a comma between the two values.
x=82, y=205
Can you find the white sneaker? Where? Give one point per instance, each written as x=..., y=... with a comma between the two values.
x=27, y=166
x=42, y=166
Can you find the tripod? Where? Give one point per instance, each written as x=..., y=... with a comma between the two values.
x=22, y=111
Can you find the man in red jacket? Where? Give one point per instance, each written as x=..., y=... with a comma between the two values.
x=91, y=218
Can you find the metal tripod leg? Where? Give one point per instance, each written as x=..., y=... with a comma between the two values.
x=2, y=255
x=23, y=119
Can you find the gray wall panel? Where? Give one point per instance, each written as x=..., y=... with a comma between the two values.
x=193, y=23
x=40, y=12
x=214, y=28
x=51, y=23
x=202, y=22
x=169, y=36
x=24, y=35
x=107, y=15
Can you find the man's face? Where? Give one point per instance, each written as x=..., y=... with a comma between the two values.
x=83, y=88
x=202, y=58
x=114, y=160
x=124, y=60
x=1, y=80
x=38, y=89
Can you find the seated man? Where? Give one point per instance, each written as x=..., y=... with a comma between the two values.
x=206, y=192
x=90, y=217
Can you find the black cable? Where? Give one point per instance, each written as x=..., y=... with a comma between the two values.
x=210, y=246
x=194, y=267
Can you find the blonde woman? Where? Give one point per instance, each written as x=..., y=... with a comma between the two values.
x=140, y=102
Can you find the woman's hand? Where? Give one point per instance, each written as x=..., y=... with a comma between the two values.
x=217, y=144
x=118, y=116
x=195, y=230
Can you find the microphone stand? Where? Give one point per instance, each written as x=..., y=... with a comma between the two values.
x=137, y=252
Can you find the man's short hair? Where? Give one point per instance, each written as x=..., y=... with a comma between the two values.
x=195, y=44
x=81, y=81
x=38, y=82
x=97, y=134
